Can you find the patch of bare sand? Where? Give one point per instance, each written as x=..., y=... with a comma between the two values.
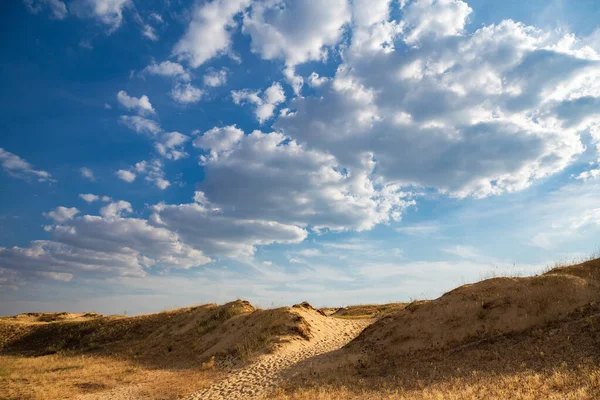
x=264, y=375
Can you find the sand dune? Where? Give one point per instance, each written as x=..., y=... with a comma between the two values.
x=527, y=338
x=327, y=334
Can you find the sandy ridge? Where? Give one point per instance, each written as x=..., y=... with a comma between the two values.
x=260, y=377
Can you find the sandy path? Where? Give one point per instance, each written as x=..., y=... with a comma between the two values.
x=263, y=375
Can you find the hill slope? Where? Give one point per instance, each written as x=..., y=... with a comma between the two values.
x=527, y=338
x=166, y=355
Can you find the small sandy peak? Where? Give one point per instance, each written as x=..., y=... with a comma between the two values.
x=322, y=335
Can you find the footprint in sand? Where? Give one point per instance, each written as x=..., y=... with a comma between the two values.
x=258, y=378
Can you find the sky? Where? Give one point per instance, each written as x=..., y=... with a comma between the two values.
x=162, y=153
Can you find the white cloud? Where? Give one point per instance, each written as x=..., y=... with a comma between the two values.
x=168, y=68
x=125, y=175
x=140, y=124
x=591, y=174
x=215, y=78
x=218, y=235
x=314, y=80
x=209, y=32
x=295, y=31
x=57, y=8
x=439, y=18
x=186, y=93
x=466, y=114
x=89, y=197
x=271, y=177
x=464, y=252
x=424, y=229
x=62, y=214
x=265, y=104
x=149, y=33
x=109, y=12
x=171, y=145
x=106, y=245
x=153, y=172
x=219, y=140
x=19, y=168
x=141, y=104
x=116, y=209
x=87, y=173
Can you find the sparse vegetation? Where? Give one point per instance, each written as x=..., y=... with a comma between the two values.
x=365, y=311
x=96, y=353
x=519, y=338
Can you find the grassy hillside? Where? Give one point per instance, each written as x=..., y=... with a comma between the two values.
x=86, y=353
x=364, y=310
x=527, y=338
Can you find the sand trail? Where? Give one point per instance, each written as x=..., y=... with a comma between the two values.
x=260, y=377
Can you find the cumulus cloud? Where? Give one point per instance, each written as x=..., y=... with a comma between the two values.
x=265, y=104
x=16, y=167
x=220, y=235
x=125, y=175
x=141, y=124
x=186, y=93
x=314, y=80
x=209, y=32
x=219, y=140
x=87, y=173
x=109, y=12
x=153, y=172
x=271, y=177
x=56, y=8
x=149, y=33
x=62, y=214
x=466, y=114
x=295, y=31
x=116, y=209
x=169, y=69
x=439, y=18
x=89, y=197
x=215, y=78
x=104, y=245
x=141, y=104
x=171, y=145
x=168, y=144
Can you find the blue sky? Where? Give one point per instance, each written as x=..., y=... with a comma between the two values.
x=164, y=153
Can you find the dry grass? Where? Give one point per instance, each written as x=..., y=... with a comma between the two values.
x=364, y=311
x=165, y=355
x=65, y=376
x=504, y=338
x=518, y=338
x=582, y=383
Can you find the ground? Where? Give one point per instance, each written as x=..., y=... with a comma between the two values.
x=520, y=338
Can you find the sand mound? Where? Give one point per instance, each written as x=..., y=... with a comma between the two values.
x=366, y=310
x=306, y=306
x=535, y=337
x=50, y=317
x=264, y=375
x=231, y=333
x=491, y=307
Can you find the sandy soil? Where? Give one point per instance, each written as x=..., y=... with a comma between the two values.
x=264, y=375
x=258, y=378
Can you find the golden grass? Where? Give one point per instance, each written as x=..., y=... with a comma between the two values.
x=164, y=355
x=582, y=383
x=503, y=338
x=364, y=311
x=66, y=376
